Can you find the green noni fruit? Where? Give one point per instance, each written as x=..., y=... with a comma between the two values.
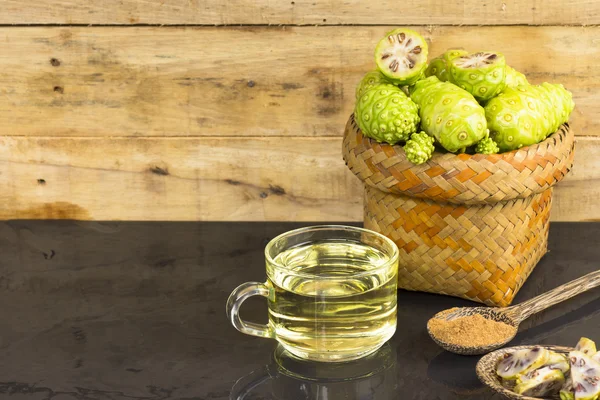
x=370, y=80
x=515, y=118
x=514, y=77
x=419, y=148
x=482, y=74
x=585, y=373
x=449, y=114
x=486, y=146
x=540, y=101
x=402, y=56
x=386, y=114
x=527, y=114
x=562, y=105
x=567, y=395
x=439, y=66
x=542, y=382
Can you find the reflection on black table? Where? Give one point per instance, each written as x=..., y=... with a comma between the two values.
x=371, y=378
x=135, y=310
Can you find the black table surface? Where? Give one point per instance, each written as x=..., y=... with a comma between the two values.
x=136, y=310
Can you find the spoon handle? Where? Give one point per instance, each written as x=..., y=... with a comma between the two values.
x=564, y=292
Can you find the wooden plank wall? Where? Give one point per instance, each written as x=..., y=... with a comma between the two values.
x=234, y=110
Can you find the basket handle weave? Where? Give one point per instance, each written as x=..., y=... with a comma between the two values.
x=564, y=292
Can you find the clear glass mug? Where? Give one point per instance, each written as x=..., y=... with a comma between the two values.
x=331, y=293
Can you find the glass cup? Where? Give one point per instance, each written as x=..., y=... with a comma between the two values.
x=331, y=293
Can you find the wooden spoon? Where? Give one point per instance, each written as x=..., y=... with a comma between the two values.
x=513, y=315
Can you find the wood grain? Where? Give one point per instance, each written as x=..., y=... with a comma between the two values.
x=300, y=12
x=577, y=197
x=245, y=81
x=176, y=179
x=226, y=179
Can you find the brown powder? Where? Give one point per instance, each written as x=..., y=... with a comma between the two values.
x=471, y=331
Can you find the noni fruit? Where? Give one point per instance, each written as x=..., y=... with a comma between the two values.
x=402, y=56
x=482, y=74
x=370, y=80
x=419, y=148
x=558, y=361
x=521, y=362
x=543, y=382
x=586, y=346
x=562, y=103
x=439, y=66
x=567, y=392
x=514, y=77
x=514, y=118
x=449, y=114
x=386, y=114
x=527, y=114
x=486, y=146
x=585, y=373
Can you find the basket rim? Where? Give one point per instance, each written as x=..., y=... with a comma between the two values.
x=460, y=178
x=486, y=366
x=550, y=139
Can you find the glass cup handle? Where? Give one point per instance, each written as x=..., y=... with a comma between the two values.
x=236, y=298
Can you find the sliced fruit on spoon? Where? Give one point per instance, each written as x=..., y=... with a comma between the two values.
x=567, y=392
x=521, y=362
x=558, y=361
x=540, y=383
x=586, y=346
x=585, y=374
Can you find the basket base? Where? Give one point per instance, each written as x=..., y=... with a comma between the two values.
x=481, y=252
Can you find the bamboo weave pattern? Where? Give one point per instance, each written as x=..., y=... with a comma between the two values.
x=462, y=178
x=472, y=226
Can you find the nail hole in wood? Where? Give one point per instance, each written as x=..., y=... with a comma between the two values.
x=41, y=181
x=59, y=89
x=55, y=62
x=49, y=256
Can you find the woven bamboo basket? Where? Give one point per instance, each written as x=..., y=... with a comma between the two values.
x=471, y=226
